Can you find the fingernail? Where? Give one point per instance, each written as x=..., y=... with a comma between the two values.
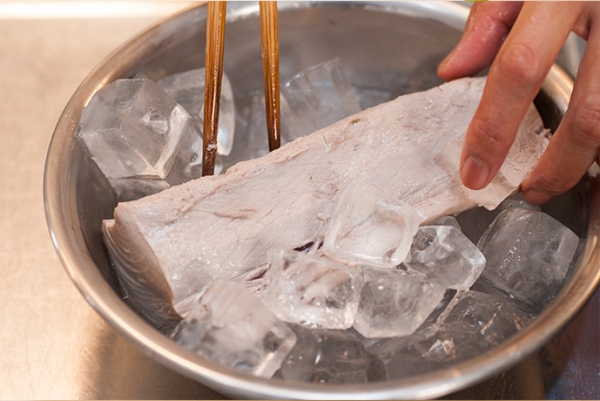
x=474, y=173
x=535, y=197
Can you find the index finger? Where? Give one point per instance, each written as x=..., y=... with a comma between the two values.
x=515, y=78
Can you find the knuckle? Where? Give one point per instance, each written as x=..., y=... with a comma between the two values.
x=520, y=63
x=551, y=184
x=490, y=135
x=586, y=121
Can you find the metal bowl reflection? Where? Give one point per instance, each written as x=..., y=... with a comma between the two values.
x=395, y=46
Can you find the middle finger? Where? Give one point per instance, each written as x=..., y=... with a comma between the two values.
x=514, y=79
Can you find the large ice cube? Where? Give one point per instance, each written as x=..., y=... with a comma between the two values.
x=370, y=226
x=132, y=188
x=422, y=352
x=445, y=221
x=187, y=89
x=369, y=97
x=474, y=222
x=133, y=128
x=472, y=324
x=251, y=139
x=230, y=326
x=527, y=146
x=445, y=255
x=329, y=356
x=394, y=302
x=316, y=98
x=528, y=255
x=478, y=322
x=140, y=138
x=311, y=290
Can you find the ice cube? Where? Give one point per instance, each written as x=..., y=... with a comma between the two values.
x=132, y=188
x=515, y=202
x=439, y=309
x=528, y=255
x=316, y=98
x=394, y=302
x=422, y=352
x=251, y=140
x=527, y=146
x=132, y=128
x=188, y=164
x=370, y=226
x=474, y=222
x=472, y=324
x=478, y=322
x=311, y=290
x=187, y=89
x=445, y=221
x=445, y=255
x=369, y=97
x=230, y=326
x=330, y=356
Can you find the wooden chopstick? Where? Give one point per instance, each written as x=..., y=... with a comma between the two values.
x=270, y=54
x=215, y=36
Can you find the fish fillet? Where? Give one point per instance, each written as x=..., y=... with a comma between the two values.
x=167, y=248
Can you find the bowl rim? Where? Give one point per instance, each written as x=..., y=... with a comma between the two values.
x=62, y=219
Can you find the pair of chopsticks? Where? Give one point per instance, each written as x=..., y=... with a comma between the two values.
x=215, y=38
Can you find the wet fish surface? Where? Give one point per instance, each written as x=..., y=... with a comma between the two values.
x=168, y=247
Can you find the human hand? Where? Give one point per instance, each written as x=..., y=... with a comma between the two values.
x=521, y=41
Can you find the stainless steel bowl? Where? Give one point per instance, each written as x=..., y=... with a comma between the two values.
x=394, y=46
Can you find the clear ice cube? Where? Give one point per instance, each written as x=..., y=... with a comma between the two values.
x=474, y=222
x=445, y=255
x=140, y=138
x=330, y=356
x=230, y=326
x=422, y=352
x=133, y=128
x=316, y=98
x=369, y=97
x=251, y=140
x=478, y=322
x=528, y=255
x=187, y=89
x=132, y=188
x=472, y=324
x=445, y=221
x=394, y=302
x=527, y=146
x=370, y=226
x=311, y=290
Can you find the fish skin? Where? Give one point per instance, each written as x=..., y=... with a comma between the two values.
x=175, y=243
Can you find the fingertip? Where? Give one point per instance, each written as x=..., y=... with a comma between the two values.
x=444, y=69
x=474, y=173
x=530, y=190
x=536, y=197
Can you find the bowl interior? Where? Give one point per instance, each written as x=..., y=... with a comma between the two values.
x=383, y=46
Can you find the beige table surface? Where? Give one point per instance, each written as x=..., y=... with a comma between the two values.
x=53, y=345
